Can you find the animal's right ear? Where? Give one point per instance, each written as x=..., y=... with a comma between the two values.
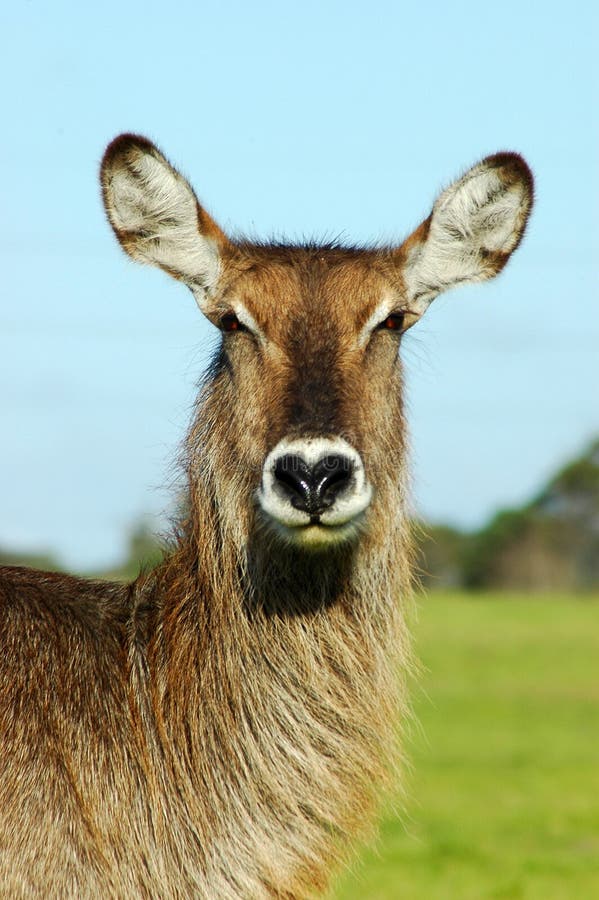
x=156, y=216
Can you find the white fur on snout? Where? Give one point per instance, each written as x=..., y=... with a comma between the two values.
x=352, y=502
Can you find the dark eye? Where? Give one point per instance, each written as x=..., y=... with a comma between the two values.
x=393, y=322
x=230, y=322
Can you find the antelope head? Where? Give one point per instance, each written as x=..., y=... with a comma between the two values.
x=305, y=403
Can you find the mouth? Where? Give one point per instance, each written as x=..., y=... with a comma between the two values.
x=315, y=534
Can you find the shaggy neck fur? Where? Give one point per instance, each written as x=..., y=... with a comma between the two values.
x=275, y=694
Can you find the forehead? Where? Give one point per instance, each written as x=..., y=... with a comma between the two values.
x=279, y=284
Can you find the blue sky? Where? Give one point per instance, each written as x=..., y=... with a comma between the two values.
x=308, y=119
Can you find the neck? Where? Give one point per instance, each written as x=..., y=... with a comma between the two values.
x=275, y=684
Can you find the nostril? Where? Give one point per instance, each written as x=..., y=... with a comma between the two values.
x=314, y=483
x=332, y=475
x=312, y=488
x=295, y=477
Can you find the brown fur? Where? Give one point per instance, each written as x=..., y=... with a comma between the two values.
x=219, y=728
x=222, y=727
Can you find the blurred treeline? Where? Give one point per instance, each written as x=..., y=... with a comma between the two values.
x=549, y=544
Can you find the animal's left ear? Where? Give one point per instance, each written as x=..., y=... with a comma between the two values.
x=475, y=226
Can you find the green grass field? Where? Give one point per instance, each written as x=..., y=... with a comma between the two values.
x=503, y=793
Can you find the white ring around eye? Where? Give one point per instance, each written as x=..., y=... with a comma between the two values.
x=247, y=319
x=375, y=318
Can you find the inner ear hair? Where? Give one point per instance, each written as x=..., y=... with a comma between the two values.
x=475, y=226
x=489, y=204
x=156, y=216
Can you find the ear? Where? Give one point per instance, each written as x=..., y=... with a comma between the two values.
x=475, y=226
x=156, y=216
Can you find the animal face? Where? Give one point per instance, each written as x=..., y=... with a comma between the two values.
x=304, y=405
x=311, y=336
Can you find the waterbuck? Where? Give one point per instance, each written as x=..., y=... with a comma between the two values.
x=223, y=727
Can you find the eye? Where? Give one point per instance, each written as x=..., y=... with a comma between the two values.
x=230, y=322
x=393, y=322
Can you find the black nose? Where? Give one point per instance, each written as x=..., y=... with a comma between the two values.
x=313, y=488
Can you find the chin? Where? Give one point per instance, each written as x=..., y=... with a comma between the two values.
x=317, y=538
